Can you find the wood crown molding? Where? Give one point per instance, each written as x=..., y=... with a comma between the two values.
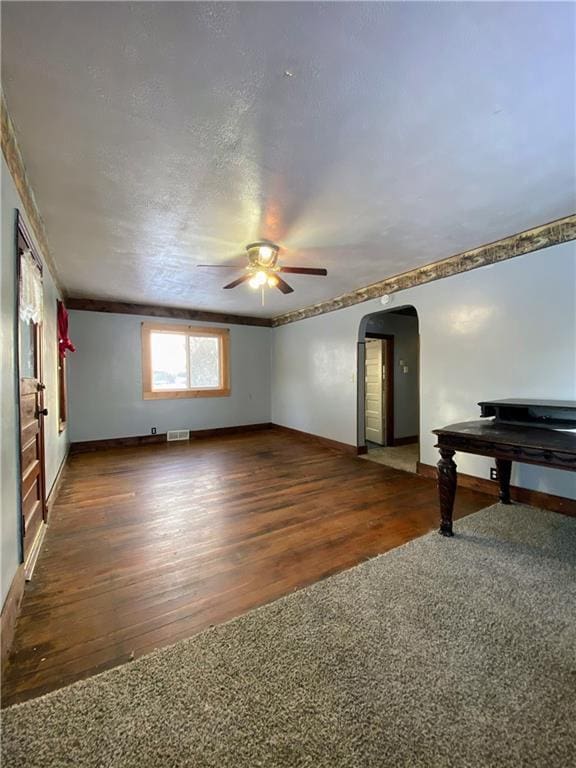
x=15, y=163
x=522, y=495
x=553, y=233
x=151, y=310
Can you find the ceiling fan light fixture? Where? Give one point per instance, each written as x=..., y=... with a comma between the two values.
x=263, y=269
x=266, y=254
x=263, y=254
x=258, y=279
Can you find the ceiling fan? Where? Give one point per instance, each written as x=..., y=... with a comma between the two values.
x=263, y=268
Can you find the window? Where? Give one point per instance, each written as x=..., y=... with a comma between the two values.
x=184, y=361
x=63, y=344
x=62, y=393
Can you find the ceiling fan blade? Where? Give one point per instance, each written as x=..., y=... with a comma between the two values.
x=238, y=281
x=283, y=286
x=305, y=271
x=222, y=266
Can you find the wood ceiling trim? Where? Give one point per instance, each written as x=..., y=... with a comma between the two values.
x=15, y=163
x=553, y=233
x=151, y=310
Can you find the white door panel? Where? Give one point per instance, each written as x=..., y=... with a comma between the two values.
x=374, y=406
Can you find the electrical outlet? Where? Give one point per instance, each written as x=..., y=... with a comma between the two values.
x=153, y=431
x=493, y=473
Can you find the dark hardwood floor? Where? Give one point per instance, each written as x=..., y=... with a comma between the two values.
x=152, y=544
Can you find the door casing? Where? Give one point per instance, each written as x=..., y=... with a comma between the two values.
x=23, y=242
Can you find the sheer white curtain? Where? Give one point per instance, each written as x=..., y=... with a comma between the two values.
x=31, y=296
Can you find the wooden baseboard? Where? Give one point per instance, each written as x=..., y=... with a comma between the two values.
x=122, y=442
x=352, y=450
x=53, y=495
x=34, y=553
x=10, y=612
x=220, y=431
x=85, y=446
x=522, y=495
x=405, y=440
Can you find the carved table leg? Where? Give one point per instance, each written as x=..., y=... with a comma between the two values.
x=504, y=468
x=446, y=489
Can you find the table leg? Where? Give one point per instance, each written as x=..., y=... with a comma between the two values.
x=447, y=480
x=504, y=468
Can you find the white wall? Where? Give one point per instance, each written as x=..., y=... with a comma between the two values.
x=55, y=443
x=507, y=330
x=404, y=328
x=105, y=381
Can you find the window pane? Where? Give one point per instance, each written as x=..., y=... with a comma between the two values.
x=62, y=393
x=204, y=361
x=168, y=361
x=27, y=350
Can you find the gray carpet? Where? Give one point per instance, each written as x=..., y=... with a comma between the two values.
x=443, y=652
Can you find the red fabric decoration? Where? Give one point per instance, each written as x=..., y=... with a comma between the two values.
x=64, y=343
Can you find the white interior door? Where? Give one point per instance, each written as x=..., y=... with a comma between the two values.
x=374, y=392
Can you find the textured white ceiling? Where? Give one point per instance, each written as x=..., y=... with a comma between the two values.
x=162, y=135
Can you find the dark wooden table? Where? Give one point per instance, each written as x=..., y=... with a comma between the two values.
x=503, y=442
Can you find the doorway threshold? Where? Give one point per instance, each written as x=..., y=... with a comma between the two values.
x=403, y=457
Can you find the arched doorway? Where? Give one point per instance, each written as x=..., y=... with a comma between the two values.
x=389, y=387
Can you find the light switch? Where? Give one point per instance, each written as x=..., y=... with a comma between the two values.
x=405, y=369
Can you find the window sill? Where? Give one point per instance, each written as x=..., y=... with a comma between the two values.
x=179, y=394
